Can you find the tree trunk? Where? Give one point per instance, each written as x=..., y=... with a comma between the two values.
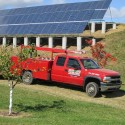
x=11, y=99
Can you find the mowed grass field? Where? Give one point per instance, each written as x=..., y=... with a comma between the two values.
x=35, y=107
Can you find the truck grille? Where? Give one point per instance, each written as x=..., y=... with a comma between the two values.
x=115, y=80
x=115, y=77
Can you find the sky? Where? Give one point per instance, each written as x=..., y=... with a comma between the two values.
x=116, y=13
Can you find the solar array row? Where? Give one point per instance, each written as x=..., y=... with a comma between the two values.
x=60, y=28
x=103, y=4
x=51, y=19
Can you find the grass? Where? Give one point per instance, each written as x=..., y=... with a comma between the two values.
x=40, y=108
x=115, y=44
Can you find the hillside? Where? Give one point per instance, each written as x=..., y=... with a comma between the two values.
x=114, y=41
x=115, y=44
x=109, y=30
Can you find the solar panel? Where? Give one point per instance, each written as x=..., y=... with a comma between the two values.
x=98, y=14
x=69, y=18
x=107, y=3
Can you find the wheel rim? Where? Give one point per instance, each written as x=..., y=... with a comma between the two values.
x=27, y=78
x=91, y=90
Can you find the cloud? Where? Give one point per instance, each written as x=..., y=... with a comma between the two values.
x=58, y=1
x=116, y=13
x=18, y=3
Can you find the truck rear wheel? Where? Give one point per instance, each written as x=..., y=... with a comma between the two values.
x=27, y=78
x=92, y=89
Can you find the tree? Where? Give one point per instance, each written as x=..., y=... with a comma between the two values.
x=10, y=71
x=99, y=53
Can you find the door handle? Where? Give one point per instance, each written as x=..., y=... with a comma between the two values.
x=66, y=70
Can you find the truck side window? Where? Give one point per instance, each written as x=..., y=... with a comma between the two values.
x=61, y=61
x=73, y=63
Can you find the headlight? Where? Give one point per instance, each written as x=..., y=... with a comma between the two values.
x=107, y=79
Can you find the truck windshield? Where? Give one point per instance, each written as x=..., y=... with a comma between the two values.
x=89, y=64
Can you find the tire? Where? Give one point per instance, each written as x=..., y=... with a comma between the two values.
x=27, y=78
x=92, y=89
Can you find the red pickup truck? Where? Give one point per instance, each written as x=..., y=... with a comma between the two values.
x=74, y=70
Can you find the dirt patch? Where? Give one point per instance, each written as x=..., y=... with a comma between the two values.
x=115, y=99
x=13, y=115
x=5, y=114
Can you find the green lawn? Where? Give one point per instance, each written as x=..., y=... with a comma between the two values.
x=42, y=109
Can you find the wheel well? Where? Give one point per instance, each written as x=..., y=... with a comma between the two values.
x=26, y=70
x=91, y=80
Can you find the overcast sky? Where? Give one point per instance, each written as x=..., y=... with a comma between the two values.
x=117, y=6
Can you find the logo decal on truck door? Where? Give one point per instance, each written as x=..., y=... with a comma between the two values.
x=73, y=72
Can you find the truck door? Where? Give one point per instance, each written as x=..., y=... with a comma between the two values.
x=58, y=69
x=73, y=72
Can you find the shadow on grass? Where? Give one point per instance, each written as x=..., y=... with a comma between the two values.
x=1, y=77
x=41, y=107
x=60, y=85
x=114, y=94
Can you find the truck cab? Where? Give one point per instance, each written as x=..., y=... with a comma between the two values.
x=86, y=73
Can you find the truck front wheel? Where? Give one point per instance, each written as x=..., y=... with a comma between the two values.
x=92, y=89
x=27, y=78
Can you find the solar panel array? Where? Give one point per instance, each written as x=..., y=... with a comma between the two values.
x=51, y=19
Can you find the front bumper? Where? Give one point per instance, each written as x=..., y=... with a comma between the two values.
x=110, y=86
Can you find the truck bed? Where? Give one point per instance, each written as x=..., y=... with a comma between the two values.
x=40, y=67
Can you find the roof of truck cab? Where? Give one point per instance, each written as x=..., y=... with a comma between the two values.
x=73, y=56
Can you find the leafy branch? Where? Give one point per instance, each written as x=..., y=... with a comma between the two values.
x=99, y=53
